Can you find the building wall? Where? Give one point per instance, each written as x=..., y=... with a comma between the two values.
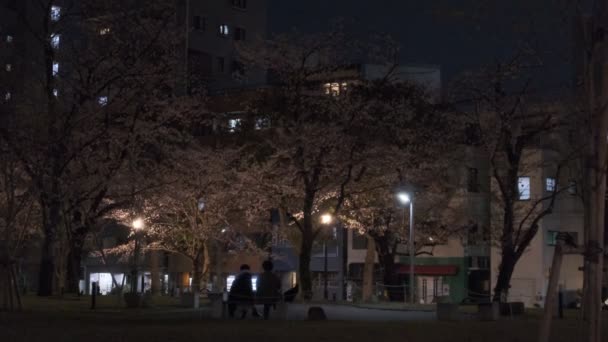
x=207, y=45
x=531, y=274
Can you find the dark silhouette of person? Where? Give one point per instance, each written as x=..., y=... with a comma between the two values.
x=268, y=288
x=241, y=293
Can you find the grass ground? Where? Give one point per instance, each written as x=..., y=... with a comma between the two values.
x=63, y=320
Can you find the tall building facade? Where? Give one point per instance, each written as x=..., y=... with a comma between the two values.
x=213, y=30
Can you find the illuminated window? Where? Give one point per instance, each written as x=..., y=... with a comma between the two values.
x=55, y=68
x=102, y=100
x=104, y=31
x=335, y=88
x=224, y=30
x=523, y=187
x=8, y=67
x=55, y=13
x=233, y=125
x=229, y=281
x=550, y=184
x=9, y=38
x=55, y=39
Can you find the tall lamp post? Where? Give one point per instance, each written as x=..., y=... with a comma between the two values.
x=326, y=219
x=138, y=225
x=405, y=198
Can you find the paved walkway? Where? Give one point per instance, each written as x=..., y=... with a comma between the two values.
x=351, y=313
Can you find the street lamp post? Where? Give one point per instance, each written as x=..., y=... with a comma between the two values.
x=405, y=198
x=326, y=219
x=138, y=225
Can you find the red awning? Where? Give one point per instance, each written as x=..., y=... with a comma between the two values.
x=431, y=270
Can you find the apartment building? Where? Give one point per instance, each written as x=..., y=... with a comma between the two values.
x=214, y=28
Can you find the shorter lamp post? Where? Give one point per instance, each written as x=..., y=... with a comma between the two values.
x=405, y=198
x=138, y=225
x=326, y=219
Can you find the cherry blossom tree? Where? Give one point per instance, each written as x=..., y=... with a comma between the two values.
x=508, y=122
x=323, y=140
x=98, y=102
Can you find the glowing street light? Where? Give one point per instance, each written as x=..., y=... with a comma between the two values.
x=405, y=198
x=326, y=219
x=138, y=224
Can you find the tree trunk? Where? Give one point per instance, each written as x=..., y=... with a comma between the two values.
x=368, y=269
x=74, y=257
x=73, y=270
x=505, y=272
x=596, y=87
x=197, y=269
x=304, y=267
x=206, y=266
x=306, y=247
x=46, y=272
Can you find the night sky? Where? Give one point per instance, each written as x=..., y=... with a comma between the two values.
x=456, y=34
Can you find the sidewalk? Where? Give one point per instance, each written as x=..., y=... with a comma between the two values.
x=394, y=306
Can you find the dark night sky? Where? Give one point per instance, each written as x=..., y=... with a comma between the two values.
x=455, y=34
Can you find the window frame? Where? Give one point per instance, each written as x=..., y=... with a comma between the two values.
x=550, y=184
x=223, y=30
x=520, y=194
x=240, y=33
x=55, y=40
x=55, y=13
x=551, y=239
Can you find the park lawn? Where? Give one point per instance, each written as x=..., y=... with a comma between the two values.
x=142, y=326
x=82, y=304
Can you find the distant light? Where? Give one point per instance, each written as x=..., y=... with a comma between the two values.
x=9, y=38
x=55, y=92
x=104, y=31
x=55, y=13
x=431, y=238
x=102, y=100
x=8, y=67
x=224, y=230
x=201, y=204
x=138, y=224
x=55, y=40
x=55, y=68
x=403, y=197
x=326, y=219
